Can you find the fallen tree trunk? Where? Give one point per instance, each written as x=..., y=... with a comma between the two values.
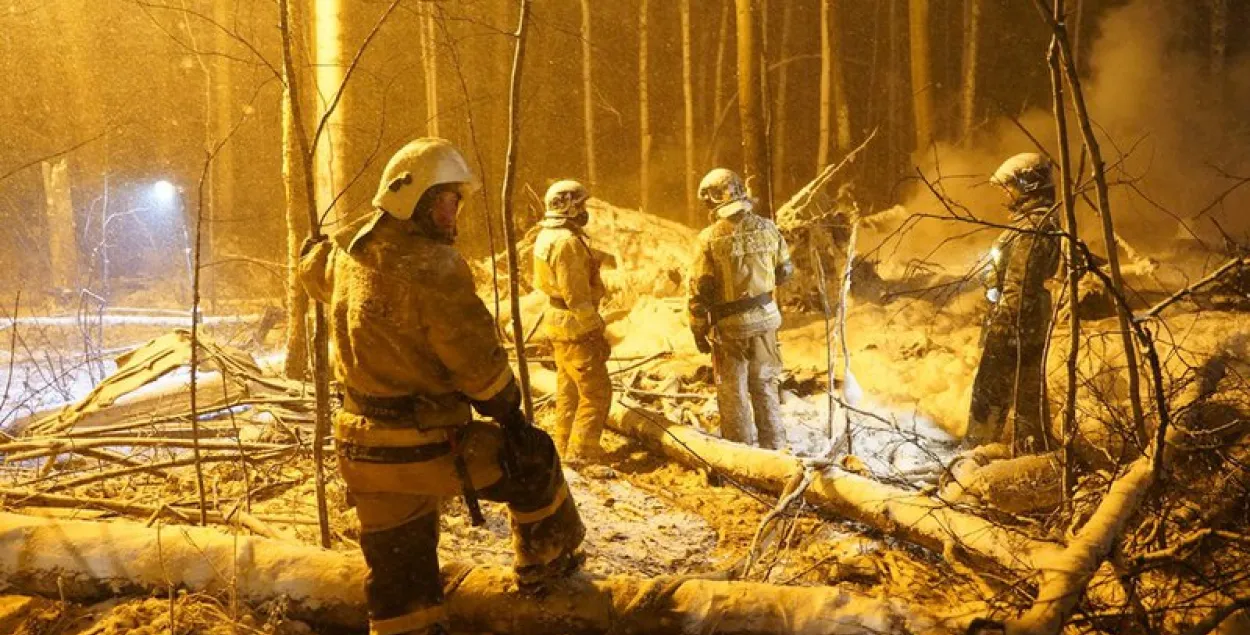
x=82, y=560
x=919, y=519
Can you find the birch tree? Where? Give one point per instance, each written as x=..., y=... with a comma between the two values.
x=331, y=150
x=718, y=86
x=588, y=97
x=780, y=128
x=835, y=118
x=751, y=106
x=644, y=110
x=968, y=92
x=687, y=94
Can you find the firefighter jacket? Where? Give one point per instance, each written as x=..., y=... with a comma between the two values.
x=1028, y=256
x=567, y=271
x=738, y=262
x=406, y=322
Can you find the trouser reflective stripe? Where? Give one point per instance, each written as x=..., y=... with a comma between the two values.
x=414, y=621
x=528, y=518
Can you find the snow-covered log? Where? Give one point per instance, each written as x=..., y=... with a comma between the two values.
x=917, y=518
x=84, y=560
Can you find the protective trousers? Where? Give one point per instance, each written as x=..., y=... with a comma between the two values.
x=747, y=390
x=583, y=395
x=1010, y=372
x=398, y=490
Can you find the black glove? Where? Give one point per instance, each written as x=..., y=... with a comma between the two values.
x=700, y=340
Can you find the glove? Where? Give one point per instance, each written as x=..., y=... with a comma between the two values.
x=311, y=243
x=993, y=295
x=700, y=341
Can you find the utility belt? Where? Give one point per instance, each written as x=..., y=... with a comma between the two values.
x=728, y=309
x=403, y=410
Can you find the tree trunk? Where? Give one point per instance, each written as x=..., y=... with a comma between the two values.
x=841, y=105
x=780, y=173
x=895, y=119
x=330, y=65
x=88, y=561
x=972, y=24
x=62, y=232
x=826, y=87
x=751, y=107
x=295, y=366
x=429, y=64
x=588, y=97
x=1073, y=257
x=718, y=91
x=509, y=179
x=1219, y=38
x=644, y=110
x=320, y=334
x=915, y=518
x=687, y=96
x=921, y=76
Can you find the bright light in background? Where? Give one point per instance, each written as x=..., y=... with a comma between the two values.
x=164, y=192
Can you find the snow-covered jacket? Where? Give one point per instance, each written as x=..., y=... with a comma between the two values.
x=567, y=271
x=737, y=259
x=405, y=319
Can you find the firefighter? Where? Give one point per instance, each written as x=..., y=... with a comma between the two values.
x=567, y=271
x=1009, y=380
x=415, y=351
x=739, y=260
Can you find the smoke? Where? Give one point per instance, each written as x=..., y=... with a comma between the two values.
x=1172, y=134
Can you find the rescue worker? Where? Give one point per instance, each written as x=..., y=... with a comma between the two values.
x=415, y=351
x=567, y=271
x=739, y=260
x=1009, y=379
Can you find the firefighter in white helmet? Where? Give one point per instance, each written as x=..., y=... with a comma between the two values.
x=739, y=260
x=1009, y=384
x=566, y=269
x=415, y=351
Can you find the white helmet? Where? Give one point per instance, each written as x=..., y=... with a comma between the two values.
x=724, y=192
x=418, y=166
x=564, y=199
x=1026, y=172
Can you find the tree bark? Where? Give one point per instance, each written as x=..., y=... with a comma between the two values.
x=1219, y=43
x=1073, y=257
x=780, y=128
x=841, y=106
x=751, y=107
x=320, y=334
x=330, y=64
x=687, y=95
x=86, y=561
x=295, y=366
x=644, y=109
x=826, y=87
x=509, y=179
x=429, y=64
x=588, y=97
x=921, y=76
x=718, y=91
x=62, y=233
x=915, y=518
x=968, y=101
